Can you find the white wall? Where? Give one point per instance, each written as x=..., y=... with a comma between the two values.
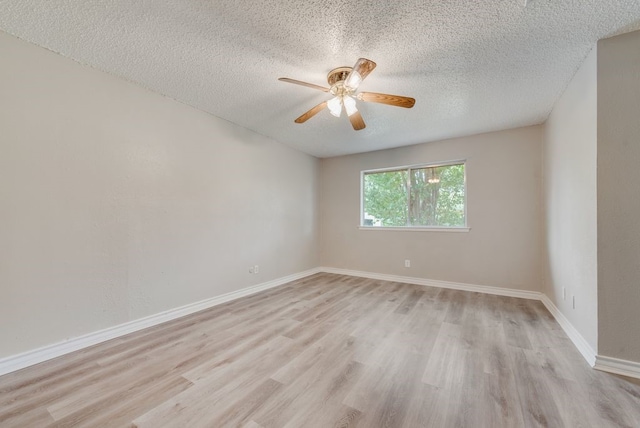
x=619, y=196
x=571, y=202
x=117, y=203
x=503, y=248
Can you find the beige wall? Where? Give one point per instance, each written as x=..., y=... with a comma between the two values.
x=504, y=245
x=619, y=196
x=570, y=201
x=117, y=203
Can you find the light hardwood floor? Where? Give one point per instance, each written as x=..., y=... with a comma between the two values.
x=331, y=351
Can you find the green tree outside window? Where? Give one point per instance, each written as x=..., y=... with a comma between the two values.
x=418, y=197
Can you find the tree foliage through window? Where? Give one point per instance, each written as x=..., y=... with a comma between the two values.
x=421, y=196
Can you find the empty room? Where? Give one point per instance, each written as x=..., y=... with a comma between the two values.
x=319, y=214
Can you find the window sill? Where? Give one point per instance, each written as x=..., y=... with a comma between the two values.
x=418, y=229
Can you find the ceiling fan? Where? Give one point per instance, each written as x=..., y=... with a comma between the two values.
x=344, y=82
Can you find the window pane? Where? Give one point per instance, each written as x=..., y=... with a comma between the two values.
x=385, y=199
x=437, y=196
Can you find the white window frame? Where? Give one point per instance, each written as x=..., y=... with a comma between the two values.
x=464, y=228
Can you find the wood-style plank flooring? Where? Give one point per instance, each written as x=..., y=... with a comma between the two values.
x=331, y=351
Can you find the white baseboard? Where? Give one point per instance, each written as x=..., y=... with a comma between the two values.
x=617, y=366
x=509, y=292
x=29, y=358
x=578, y=340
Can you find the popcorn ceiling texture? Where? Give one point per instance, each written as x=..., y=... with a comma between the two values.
x=473, y=67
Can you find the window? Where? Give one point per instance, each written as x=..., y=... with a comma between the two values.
x=423, y=196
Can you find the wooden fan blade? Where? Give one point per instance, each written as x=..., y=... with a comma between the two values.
x=308, y=85
x=392, y=100
x=356, y=121
x=364, y=67
x=308, y=115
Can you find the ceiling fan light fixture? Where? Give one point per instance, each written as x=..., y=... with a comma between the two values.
x=335, y=106
x=344, y=82
x=349, y=105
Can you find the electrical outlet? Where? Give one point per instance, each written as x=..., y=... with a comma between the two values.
x=573, y=301
x=256, y=269
x=251, y=269
x=407, y=263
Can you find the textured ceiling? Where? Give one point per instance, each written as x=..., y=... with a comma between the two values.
x=472, y=66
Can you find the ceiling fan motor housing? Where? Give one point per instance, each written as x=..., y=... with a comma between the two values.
x=338, y=74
